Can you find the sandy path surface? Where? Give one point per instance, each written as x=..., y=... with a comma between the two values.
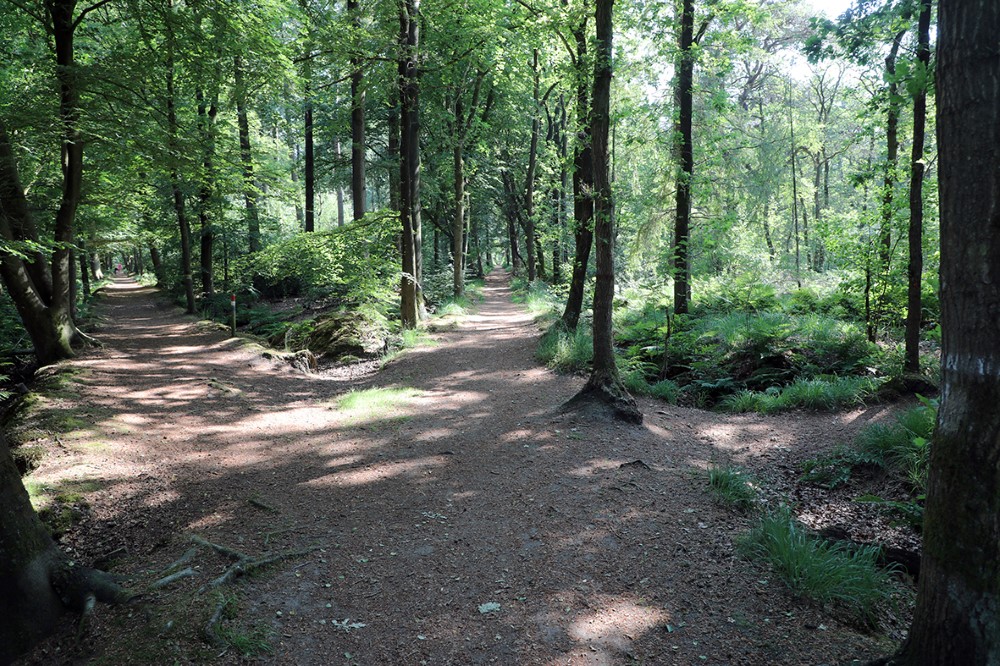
x=465, y=521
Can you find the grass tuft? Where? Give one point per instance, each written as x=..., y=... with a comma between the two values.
x=566, y=351
x=820, y=570
x=731, y=485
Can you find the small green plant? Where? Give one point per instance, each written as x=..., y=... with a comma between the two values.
x=250, y=641
x=566, y=351
x=820, y=570
x=732, y=486
x=831, y=470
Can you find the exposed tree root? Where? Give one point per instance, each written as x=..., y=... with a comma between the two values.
x=209, y=632
x=605, y=398
x=244, y=563
x=173, y=578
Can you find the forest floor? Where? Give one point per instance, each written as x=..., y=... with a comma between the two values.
x=462, y=520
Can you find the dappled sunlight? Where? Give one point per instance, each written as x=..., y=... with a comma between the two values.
x=614, y=624
x=208, y=522
x=376, y=473
x=595, y=467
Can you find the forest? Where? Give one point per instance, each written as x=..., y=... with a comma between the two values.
x=731, y=214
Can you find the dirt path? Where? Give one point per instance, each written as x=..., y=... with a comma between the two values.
x=463, y=521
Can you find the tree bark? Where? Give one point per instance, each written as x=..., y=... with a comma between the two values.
x=411, y=297
x=957, y=617
x=309, y=168
x=529, y=180
x=206, y=119
x=891, y=152
x=915, y=267
x=42, y=287
x=175, y=184
x=359, y=193
x=458, y=223
x=685, y=151
x=246, y=156
x=604, y=385
x=583, y=186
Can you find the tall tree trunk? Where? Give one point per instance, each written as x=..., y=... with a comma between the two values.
x=411, y=299
x=309, y=168
x=957, y=616
x=583, y=186
x=246, y=156
x=915, y=268
x=795, y=196
x=28, y=603
x=84, y=268
x=458, y=223
x=359, y=193
x=175, y=183
x=41, y=289
x=604, y=385
x=685, y=151
x=158, y=269
x=392, y=149
x=891, y=152
x=529, y=185
x=206, y=189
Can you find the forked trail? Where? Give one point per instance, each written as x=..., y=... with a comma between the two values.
x=457, y=519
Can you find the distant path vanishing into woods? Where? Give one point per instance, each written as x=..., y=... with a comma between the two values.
x=453, y=518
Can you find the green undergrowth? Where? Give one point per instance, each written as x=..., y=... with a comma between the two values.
x=900, y=448
x=542, y=300
x=818, y=393
x=732, y=486
x=827, y=572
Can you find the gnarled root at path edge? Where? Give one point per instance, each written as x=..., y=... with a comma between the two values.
x=605, y=395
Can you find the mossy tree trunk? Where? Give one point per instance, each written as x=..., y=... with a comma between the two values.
x=957, y=618
x=28, y=604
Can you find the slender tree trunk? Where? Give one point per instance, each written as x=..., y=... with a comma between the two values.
x=411, y=301
x=246, y=156
x=583, y=186
x=795, y=196
x=206, y=120
x=175, y=183
x=392, y=149
x=604, y=385
x=891, y=152
x=529, y=185
x=359, y=194
x=685, y=150
x=309, y=168
x=84, y=268
x=957, y=616
x=158, y=269
x=458, y=224
x=915, y=267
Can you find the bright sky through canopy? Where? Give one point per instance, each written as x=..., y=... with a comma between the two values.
x=832, y=8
